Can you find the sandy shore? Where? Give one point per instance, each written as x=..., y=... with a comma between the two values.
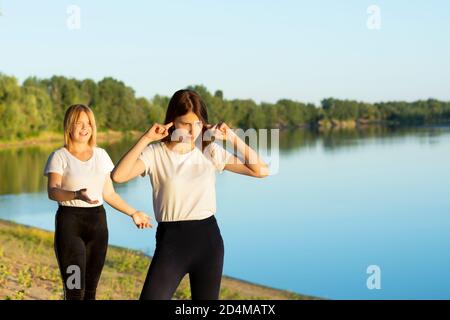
x=28, y=270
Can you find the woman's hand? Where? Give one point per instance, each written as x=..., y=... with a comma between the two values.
x=82, y=195
x=141, y=220
x=158, y=131
x=220, y=131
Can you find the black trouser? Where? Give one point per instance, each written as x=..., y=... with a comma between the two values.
x=194, y=247
x=81, y=241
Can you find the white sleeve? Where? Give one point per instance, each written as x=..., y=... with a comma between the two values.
x=219, y=156
x=55, y=164
x=147, y=157
x=107, y=163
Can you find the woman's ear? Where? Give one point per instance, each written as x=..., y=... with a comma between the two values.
x=170, y=131
x=204, y=128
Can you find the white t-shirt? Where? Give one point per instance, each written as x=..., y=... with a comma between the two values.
x=77, y=174
x=183, y=184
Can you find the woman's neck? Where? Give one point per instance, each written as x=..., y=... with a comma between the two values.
x=180, y=147
x=79, y=147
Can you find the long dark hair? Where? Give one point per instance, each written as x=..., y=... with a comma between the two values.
x=182, y=102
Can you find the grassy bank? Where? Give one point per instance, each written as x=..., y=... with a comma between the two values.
x=28, y=270
x=49, y=137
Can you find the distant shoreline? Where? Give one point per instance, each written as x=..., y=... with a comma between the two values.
x=52, y=138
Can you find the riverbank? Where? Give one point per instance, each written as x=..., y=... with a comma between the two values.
x=29, y=271
x=51, y=138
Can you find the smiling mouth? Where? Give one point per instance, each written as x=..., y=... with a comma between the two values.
x=84, y=134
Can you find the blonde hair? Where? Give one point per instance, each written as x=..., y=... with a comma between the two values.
x=72, y=115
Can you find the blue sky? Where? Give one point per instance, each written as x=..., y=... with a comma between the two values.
x=264, y=50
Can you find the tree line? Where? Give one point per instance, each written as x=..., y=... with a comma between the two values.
x=38, y=105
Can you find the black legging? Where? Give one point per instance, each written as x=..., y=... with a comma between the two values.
x=81, y=240
x=194, y=247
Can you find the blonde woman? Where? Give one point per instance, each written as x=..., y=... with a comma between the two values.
x=79, y=180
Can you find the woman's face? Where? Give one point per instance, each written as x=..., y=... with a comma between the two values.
x=81, y=130
x=188, y=128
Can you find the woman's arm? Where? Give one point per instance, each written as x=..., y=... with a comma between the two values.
x=130, y=166
x=114, y=200
x=252, y=165
x=56, y=193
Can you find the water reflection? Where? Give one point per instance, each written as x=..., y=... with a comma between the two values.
x=21, y=168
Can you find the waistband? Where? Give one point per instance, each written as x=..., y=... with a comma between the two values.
x=187, y=223
x=80, y=209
